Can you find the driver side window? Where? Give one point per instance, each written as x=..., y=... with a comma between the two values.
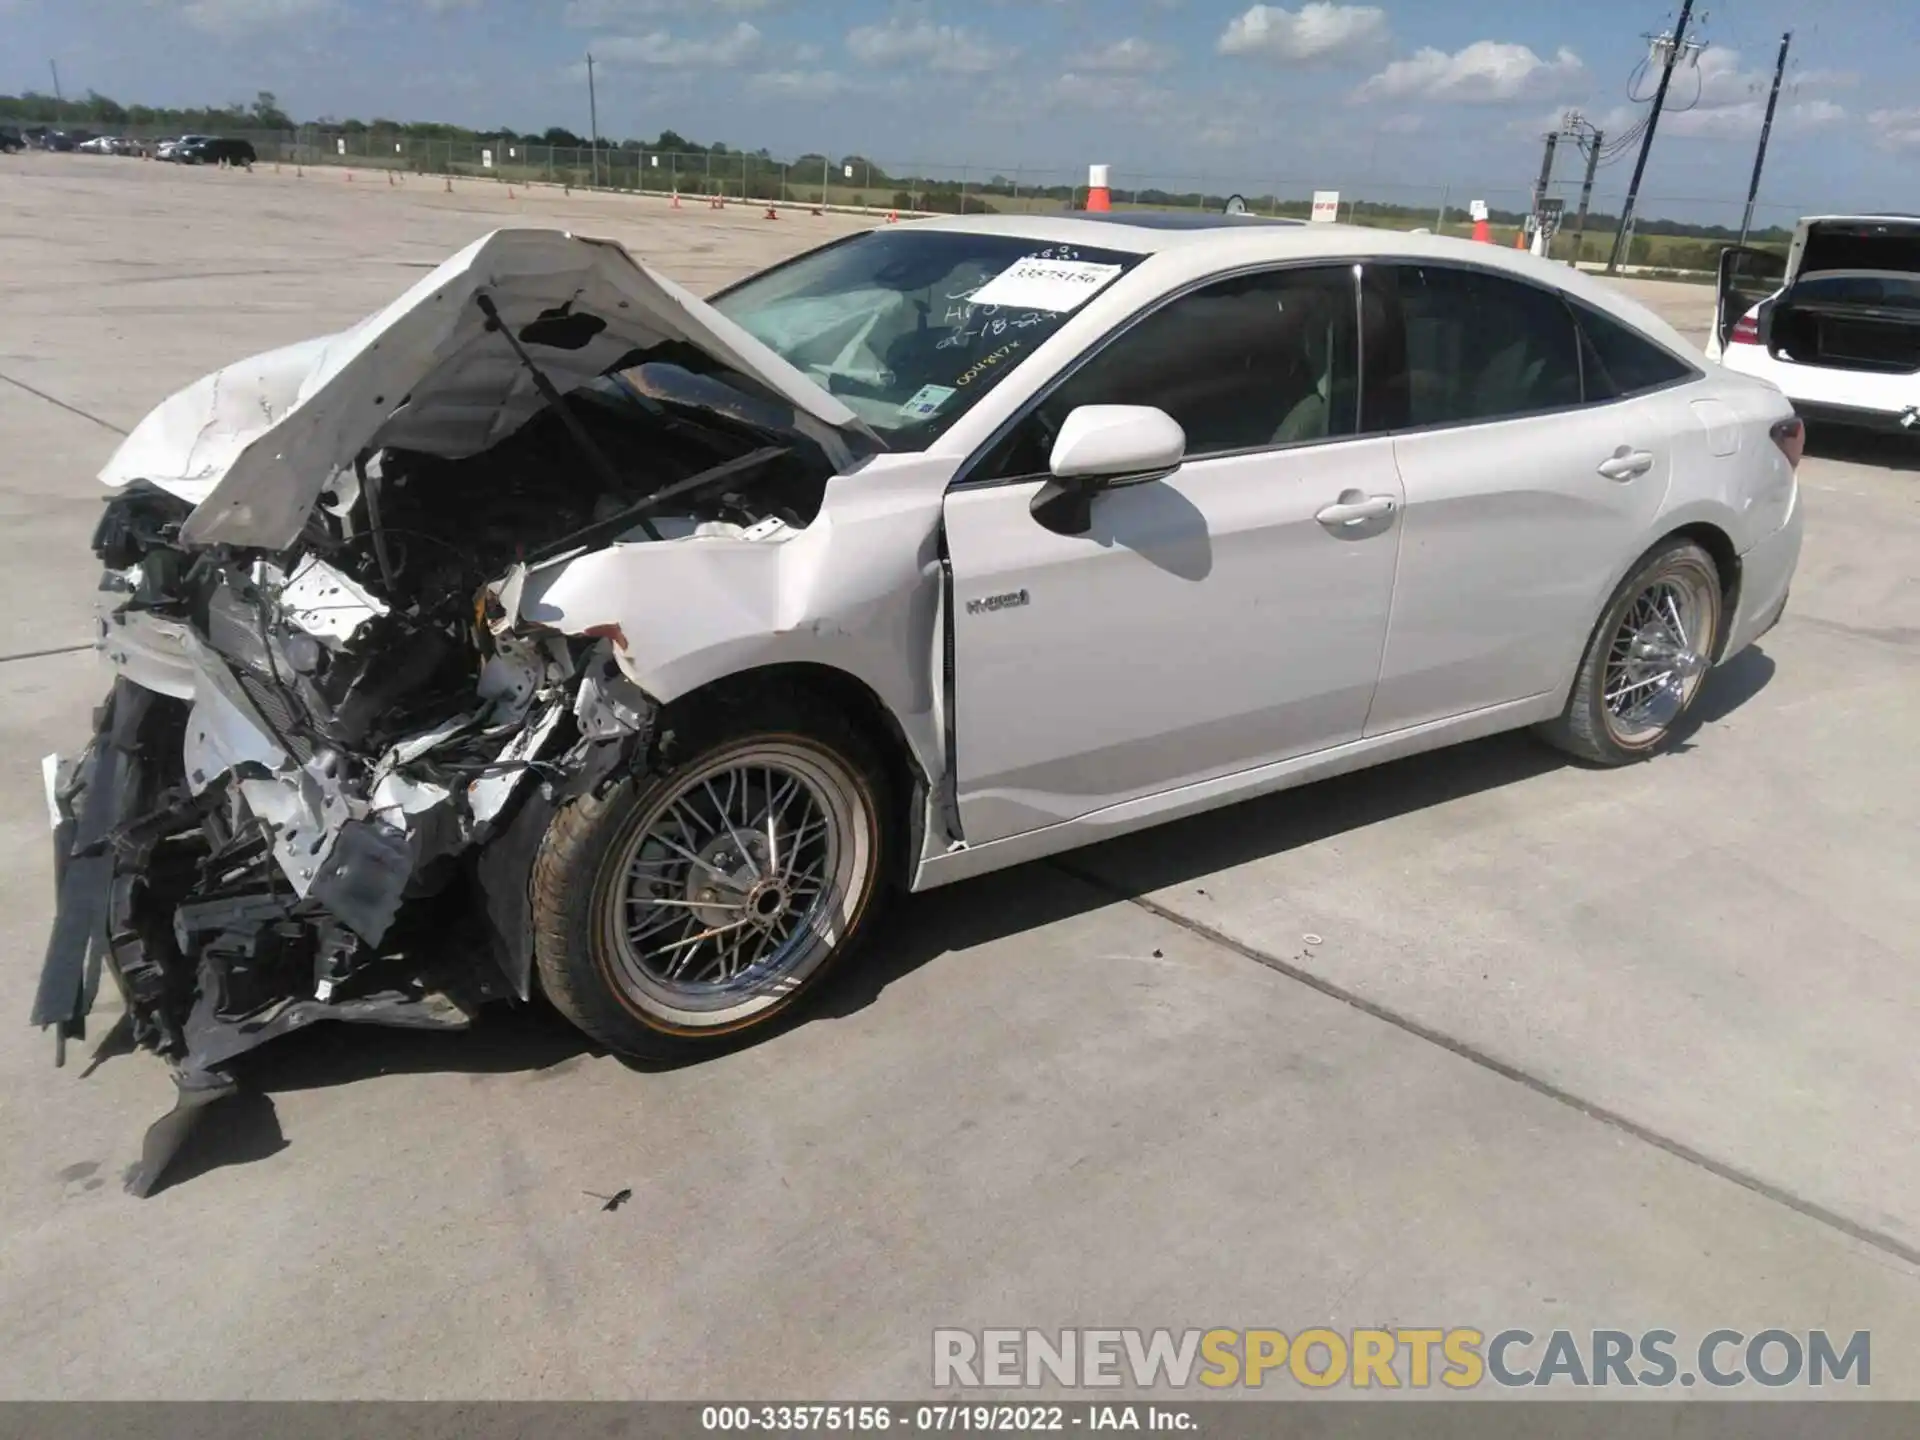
x=1249, y=363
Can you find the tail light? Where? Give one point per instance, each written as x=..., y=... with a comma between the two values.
x=1791, y=437
x=1746, y=330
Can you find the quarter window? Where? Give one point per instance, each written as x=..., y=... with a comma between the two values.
x=1480, y=347
x=1617, y=362
x=1248, y=363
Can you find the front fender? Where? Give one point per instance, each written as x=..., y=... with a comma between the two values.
x=857, y=591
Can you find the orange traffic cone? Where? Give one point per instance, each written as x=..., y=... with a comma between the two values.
x=509, y=192
x=676, y=199
x=893, y=217
x=1482, y=232
x=772, y=214
x=1520, y=240
x=1099, y=194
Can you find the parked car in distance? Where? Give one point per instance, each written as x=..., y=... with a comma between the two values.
x=170, y=149
x=1835, y=323
x=941, y=548
x=10, y=140
x=210, y=150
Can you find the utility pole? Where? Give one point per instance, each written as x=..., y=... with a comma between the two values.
x=1546, y=179
x=593, y=120
x=1594, y=143
x=1766, y=129
x=1674, y=46
x=59, y=101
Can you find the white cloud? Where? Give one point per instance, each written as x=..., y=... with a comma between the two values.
x=1101, y=92
x=1483, y=72
x=799, y=84
x=1129, y=56
x=1896, y=129
x=1741, y=121
x=660, y=49
x=904, y=39
x=600, y=14
x=1317, y=32
x=230, y=17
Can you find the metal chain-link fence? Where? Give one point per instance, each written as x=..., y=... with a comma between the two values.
x=912, y=186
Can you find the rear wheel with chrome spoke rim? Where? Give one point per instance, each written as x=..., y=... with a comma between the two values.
x=1647, y=659
x=702, y=901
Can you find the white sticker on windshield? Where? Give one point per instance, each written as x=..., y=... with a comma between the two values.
x=1037, y=284
x=925, y=402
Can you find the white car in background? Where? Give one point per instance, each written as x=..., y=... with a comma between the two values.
x=1835, y=324
x=660, y=638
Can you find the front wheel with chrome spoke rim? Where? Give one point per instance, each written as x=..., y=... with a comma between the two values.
x=703, y=900
x=1647, y=659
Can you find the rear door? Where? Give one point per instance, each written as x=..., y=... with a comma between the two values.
x=1523, y=500
x=1747, y=276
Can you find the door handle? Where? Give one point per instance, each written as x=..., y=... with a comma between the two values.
x=1356, y=512
x=1625, y=464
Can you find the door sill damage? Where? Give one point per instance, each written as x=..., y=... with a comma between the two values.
x=317, y=756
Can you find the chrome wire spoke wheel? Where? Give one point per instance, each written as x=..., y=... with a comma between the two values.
x=735, y=882
x=1660, y=652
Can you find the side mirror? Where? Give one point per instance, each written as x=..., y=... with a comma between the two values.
x=1101, y=447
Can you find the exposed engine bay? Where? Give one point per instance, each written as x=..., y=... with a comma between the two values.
x=315, y=756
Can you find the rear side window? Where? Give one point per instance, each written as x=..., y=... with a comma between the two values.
x=1618, y=361
x=1480, y=347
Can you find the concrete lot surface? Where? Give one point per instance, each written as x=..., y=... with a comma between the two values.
x=1571, y=1049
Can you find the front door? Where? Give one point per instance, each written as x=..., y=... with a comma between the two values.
x=1747, y=277
x=1220, y=619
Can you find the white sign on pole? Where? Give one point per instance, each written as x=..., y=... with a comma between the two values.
x=656, y=162
x=1326, y=206
x=396, y=147
x=849, y=170
x=1478, y=210
x=512, y=153
x=486, y=159
x=340, y=145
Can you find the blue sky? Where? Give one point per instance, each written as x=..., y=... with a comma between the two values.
x=1409, y=100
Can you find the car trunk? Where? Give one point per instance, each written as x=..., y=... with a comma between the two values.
x=1851, y=305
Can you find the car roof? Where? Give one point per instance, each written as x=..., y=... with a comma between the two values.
x=1227, y=242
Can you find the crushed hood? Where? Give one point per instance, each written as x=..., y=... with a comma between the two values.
x=254, y=445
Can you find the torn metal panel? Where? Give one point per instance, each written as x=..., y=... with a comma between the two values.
x=488, y=796
x=324, y=602
x=225, y=732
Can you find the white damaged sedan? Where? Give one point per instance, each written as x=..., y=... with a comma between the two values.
x=554, y=628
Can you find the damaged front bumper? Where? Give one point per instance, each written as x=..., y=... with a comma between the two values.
x=243, y=856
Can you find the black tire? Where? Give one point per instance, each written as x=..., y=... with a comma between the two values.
x=582, y=878
x=1592, y=730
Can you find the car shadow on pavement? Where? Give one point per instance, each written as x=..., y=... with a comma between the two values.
x=1864, y=447
x=921, y=929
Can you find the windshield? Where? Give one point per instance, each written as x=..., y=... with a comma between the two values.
x=911, y=327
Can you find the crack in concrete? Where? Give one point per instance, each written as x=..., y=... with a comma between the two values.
x=1679, y=1149
x=55, y=400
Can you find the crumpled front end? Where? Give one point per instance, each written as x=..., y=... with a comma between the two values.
x=319, y=783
